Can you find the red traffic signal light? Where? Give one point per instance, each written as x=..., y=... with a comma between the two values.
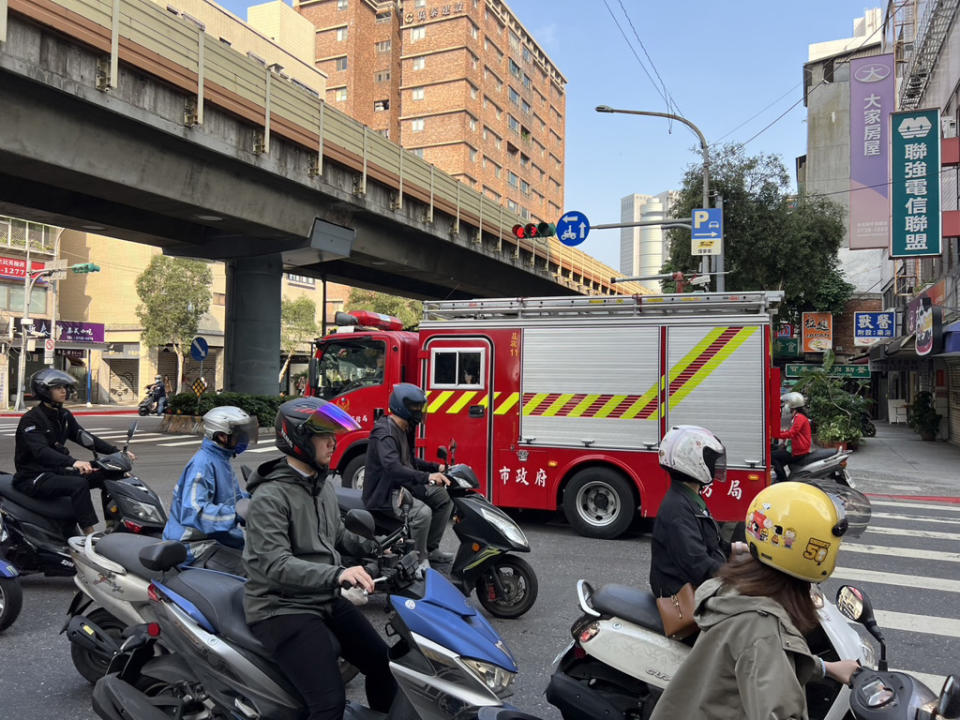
x=534, y=230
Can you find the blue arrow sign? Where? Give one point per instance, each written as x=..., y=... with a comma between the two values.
x=199, y=349
x=573, y=228
x=706, y=231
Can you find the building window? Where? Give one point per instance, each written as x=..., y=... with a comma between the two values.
x=382, y=76
x=524, y=160
x=341, y=4
x=418, y=34
x=526, y=81
x=342, y=63
x=384, y=16
x=512, y=179
x=527, y=56
x=382, y=46
x=513, y=123
x=515, y=70
x=417, y=93
x=420, y=3
x=474, y=33
x=297, y=280
x=341, y=34
x=219, y=299
x=514, y=42
x=416, y=125
x=524, y=187
x=472, y=123
x=385, y=132
x=514, y=96
x=525, y=106
x=341, y=95
x=381, y=105
x=473, y=155
x=496, y=171
x=511, y=205
x=419, y=63
x=473, y=92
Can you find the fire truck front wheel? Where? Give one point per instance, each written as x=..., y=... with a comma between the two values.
x=352, y=475
x=599, y=503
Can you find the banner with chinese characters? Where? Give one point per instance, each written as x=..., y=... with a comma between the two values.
x=871, y=102
x=817, y=332
x=870, y=327
x=915, y=192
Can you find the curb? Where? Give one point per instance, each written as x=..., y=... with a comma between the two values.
x=79, y=412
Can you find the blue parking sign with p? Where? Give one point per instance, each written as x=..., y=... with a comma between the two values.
x=706, y=231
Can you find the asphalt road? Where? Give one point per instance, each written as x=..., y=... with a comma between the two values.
x=915, y=589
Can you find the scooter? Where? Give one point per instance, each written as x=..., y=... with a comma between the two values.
x=449, y=660
x=147, y=406
x=619, y=661
x=822, y=465
x=34, y=532
x=506, y=585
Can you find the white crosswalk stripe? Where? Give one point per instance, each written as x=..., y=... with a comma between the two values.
x=933, y=534
x=888, y=578
x=913, y=518
x=194, y=441
x=909, y=505
x=914, y=553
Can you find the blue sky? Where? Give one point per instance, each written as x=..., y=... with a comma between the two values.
x=723, y=63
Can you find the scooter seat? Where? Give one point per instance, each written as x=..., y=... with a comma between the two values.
x=350, y=499
x=628, y=603
x=56, y=508
x=124, y=549
x=813, y=457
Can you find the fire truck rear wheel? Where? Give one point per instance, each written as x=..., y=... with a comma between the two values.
x=352, y=475
x=599, y=503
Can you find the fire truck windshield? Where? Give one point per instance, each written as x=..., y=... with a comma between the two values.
x=350, y=364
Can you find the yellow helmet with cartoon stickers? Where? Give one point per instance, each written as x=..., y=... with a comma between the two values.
x=796, y=528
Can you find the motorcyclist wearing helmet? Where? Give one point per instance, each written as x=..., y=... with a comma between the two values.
x=391, y=465
x=687, y=547
x=159, y=392
x=799, y=434
x=752, y=660
x=293, y=599
x=45, y=468
x=205, y=498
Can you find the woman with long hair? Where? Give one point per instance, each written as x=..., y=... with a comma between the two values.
x=751, y=660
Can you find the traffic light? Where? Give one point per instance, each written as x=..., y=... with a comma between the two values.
x=85, y=268
x=534, y=230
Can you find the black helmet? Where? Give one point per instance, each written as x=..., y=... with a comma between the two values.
x=407, y=401
x=300, y=419
x=43, y=381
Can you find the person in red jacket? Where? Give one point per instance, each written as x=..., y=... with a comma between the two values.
x=798, y=434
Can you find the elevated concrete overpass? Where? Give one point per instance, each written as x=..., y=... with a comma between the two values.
x=125, y=119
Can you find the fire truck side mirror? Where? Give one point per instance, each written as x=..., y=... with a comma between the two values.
x=314, y=374
x=344, y=319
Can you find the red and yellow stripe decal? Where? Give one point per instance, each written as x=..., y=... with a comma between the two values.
x=684, y=377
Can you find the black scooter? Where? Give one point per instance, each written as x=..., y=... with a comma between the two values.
x=34, y=532
x=506, y=585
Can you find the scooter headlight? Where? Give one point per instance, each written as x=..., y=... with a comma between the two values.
x=492, y=676
x=507, y=527
x=141, y=511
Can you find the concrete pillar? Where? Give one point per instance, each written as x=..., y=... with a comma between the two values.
x=252, y=338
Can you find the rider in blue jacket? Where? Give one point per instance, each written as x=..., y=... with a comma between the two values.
x=205, y=498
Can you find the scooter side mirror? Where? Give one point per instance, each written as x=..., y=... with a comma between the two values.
x=132, y=430
x=361, y=523
x=404, y=500
x=442, y=452
x=86, y=439
x=854, y=604
x=948, y=706
x=246, y=472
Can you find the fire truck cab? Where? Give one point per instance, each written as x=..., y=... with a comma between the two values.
x=562, y=402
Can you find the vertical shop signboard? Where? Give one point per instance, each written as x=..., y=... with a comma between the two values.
x=817, y=332
x=915, y=179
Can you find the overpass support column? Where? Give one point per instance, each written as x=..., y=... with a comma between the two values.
x=252, y=341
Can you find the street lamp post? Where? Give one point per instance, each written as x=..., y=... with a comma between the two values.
x=30, y=279
x=704, y=266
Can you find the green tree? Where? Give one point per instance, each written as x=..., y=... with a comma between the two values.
x=772, y=240
x=174, y=294
x=409, y=311
x=298, y=325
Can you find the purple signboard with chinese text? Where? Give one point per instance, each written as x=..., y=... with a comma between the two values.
x=871, y=102
x=80, y=331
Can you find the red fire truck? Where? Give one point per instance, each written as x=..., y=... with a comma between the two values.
x=561, y=402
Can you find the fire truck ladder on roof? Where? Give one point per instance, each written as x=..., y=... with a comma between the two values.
x=754, y=303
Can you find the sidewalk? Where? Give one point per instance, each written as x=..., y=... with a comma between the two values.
x=82, y=409
x=898, y=462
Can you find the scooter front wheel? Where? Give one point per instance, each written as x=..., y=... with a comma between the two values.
x=507, y=586
x=11, y=600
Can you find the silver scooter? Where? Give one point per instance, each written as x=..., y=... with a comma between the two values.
x=822, y=465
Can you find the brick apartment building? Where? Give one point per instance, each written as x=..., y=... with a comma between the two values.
x=459, y=82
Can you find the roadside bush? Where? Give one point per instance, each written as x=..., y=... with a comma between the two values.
x=263, y=406
x=836, y=414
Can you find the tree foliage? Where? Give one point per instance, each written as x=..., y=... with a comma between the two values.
x=298, y=326
x=409, y=311
x=174, y=294
x=772, y=240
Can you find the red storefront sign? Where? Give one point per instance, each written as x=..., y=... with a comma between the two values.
x=16, y=267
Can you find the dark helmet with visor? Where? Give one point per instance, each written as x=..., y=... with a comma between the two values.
x=300, y=419
x=407, y=402
x=43, y=381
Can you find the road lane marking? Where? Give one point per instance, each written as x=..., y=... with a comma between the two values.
x=915, y=553
x=888, y=578
x=926, y=624
x=914, y=518
x=195, y=441
x=935, y=534
x=949, y=507
x=262, y=449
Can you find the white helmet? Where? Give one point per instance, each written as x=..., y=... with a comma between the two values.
x=694, y=452
x=241, y=429
x=793, y=400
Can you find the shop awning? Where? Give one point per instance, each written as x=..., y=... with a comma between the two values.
x=64, y=345
x=951, y=340
x=899, y=345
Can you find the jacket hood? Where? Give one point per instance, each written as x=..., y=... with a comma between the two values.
x=716, y=602
x=217, y=448
x=279, y=471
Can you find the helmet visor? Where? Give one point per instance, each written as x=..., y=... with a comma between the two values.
x=716, y=463
x=330, y=419
x=245, y=433
x=853, y=508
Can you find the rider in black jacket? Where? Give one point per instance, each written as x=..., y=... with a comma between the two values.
x=42, y=460
x=687, y=547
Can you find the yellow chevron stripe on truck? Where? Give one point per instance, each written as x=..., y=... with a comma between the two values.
x=703, y=373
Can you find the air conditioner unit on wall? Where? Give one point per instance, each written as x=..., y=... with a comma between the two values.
x=948, y=126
